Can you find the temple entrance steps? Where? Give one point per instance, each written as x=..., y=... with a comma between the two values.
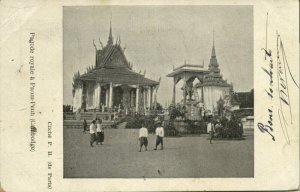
x=122, y=125
x=75, y=124
x=106, y=116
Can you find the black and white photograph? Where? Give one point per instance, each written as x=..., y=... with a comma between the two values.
x=149, y=95
x=158, y=92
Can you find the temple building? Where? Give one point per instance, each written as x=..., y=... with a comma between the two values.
x=208, y=92
x=112, y=83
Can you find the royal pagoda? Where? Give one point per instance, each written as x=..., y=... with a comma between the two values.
x=112, y=83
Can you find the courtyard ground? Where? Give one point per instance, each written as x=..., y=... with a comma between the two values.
x=182, y=157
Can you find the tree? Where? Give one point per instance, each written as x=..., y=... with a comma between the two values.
x=67, y=108
x=159, y=106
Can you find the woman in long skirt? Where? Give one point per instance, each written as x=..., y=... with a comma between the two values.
x=92, y=132
x=100, y=133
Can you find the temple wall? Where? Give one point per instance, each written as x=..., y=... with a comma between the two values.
x=77, y=99
x=211, y=96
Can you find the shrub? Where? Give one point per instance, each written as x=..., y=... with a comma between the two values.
x=136, y=121
x=175, y=112
x=170, y=129
x=229, y=128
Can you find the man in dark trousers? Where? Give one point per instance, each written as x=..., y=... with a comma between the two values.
x=143, y=134
x=159, y=136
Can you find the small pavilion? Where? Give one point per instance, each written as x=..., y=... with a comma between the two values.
x=210, y=89
x=112, y=83
x=187, y=73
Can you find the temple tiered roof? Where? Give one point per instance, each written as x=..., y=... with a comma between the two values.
x=112, y=66
x=117, y=75
x=214, y=77
x=188, y=68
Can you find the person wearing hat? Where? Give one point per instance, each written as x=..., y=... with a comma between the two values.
x=143, y=134
x=93, y=133
x=159, y=136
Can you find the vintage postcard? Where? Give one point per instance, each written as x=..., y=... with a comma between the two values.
x=149, y=95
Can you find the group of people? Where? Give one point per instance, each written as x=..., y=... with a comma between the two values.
x=143, y=137
x=96, y=132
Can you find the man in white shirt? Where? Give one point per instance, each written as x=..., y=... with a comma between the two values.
x=143, y=134
x=93, y=133
x=160, y=136
x=210, y=130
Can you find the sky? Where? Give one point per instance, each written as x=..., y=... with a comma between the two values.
x=158, y=37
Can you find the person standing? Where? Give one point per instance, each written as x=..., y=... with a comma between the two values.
x=98, y=129
x=210, y=130
x=159, y=136
x=143, y=137
x=100, y=133
x=85, y=125
x=93, y=133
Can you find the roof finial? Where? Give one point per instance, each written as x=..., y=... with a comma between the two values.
x=213, y=37
x=213, y=52
x=100, y=43
x=95, y=45
x=110, y=37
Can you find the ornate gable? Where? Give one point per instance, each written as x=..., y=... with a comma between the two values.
x=116, y=59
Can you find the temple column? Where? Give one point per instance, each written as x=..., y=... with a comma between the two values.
x=149, y=97
x=95, y=98
x=202, y=94
x=77, y=98
x=87, y=97
x=98, y=96
x=137, y=99
x=155, y=97
x=131, y=98
x=110, y=104
x=174, y=92
x=184, y=91
x=83, y=97
x=145, y=99
x=106, y=97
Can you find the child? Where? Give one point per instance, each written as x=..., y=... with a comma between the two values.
x=85, y=125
